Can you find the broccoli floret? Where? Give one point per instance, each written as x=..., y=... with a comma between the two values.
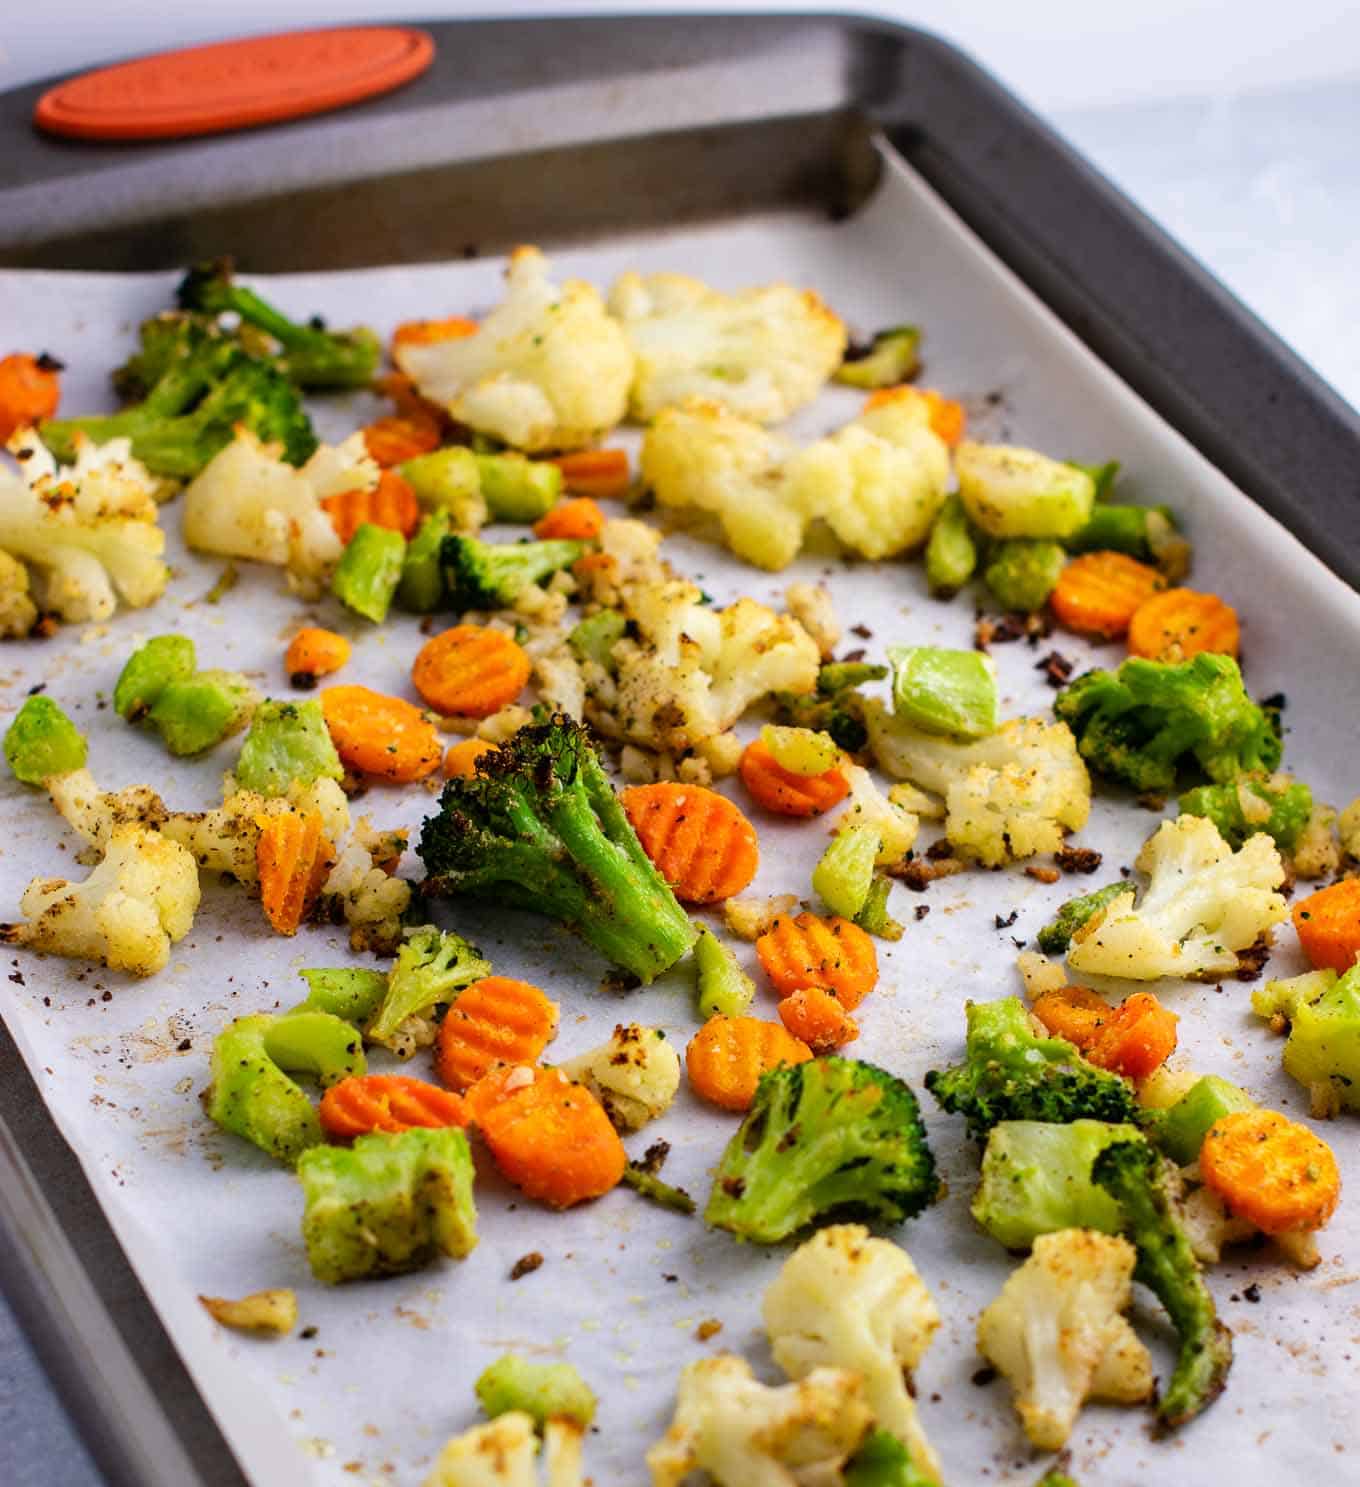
x=430, y=968
x=830, y=1138
x=1056, y=936
x=1142, y=722
x=288, y=744
x=1277, y=805
x=1323, y=1051
x=544, y=1391
x=1009, y=1073
x=883, y=1461
x=42, y=741
x=486, y=575
x=540, y=828
x=834, y=707
x=1139, y=1180
x=207, y=387
x=310, y=355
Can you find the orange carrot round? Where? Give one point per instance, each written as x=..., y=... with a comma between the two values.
x=378, y=735
x=387, y=1102
x=1179, y=623
x=1100, y=592
x=460, y=763
x=294, y=859
x=595, y=472
x=1137, y=1039
x=312, y=653
x=946, y=417
x=494, y=1021
x=700, y=842
x=550, y=1137
x=727, y=1056
x=834, y=954
x=30, y=390
x=577, y=520
x=391, y=503
x=470, y=671
x=391, y=440
x=816, y=1017
x=431, y=332
x=1270, y=1170
x=1073, y=1012
x=1328, y=925
x=785, y=793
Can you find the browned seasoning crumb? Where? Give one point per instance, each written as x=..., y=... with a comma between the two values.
x=1251, y=1293
x=858, y=654
x=526, y=1265
x=1151, y=801
x=1057, y=669
x=920, y=911
x=303, y=681
x=669, y=1279
x=984, y=1376
x=1004, y=921
x=938, y=851
x=1077, y=859
x=709, y=1327
x=654, y=1158
x=1042, y=874
x=307, y=1333
x=919, y=875
x=1251, y=962
x=863, y=631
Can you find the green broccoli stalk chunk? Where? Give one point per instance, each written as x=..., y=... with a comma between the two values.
x=431, y=968
x=544, y=1391
x=725, y=990
x=596, y=636
x=1180, y=1129
x=540, y=828
x=309, y=354
x=1323, y=1050
x=252, y=1096
x=882, y=1460
x=873, y=917
x=951, y=552
x=517, y=489
x=944, y=691
x=1010, y=1073
x=42, y=741
x=833, y=1137
x=1056, y=936
x=388, y=1204
x=369, y=570
x=421, y=589
x=647, y=1184
x=893, y=356
x=348, y=992
x=845, y=872
x=1102, y=476
x=199, y=712
x=1143, y=722
x=149, y=670
x=288, y=743
x=1036, y=1179
x=1276, y=805
x=486, y=575
x=1138, y=1179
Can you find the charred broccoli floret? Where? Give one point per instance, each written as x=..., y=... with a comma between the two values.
x=1277, y=805
x=1138, y=1179
x=539, y=827
x=830, y=1138
x=834, y=707
x=492, y=575
x=1010, y=1073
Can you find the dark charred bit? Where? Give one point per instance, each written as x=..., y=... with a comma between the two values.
x=1004, y=921
x=654, y=1158
x=621, y=981
x=919, y=875
x=983, y=1377
x=1057, y=669
x=37, y=689
x=734, y=1187
x=858, y=654
x=1151, y=801
x=1251, y=962
x=938, y=851
x=45, y=627
x=863, y=631
x=303, y=681
x=307, y=1334
x=789, y=1139
x=526, y=1265
x=1042, y=874
x=1037, y=627
x=920, y=911
x=989, y=630
x=49, y=363
x=1252, y=1293
x=1077, y=859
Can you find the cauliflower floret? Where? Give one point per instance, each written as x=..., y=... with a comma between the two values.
x=695, y=670
x=846, y=1300
x=547, y=369
x=1348, y=826
x=139, y=900
x=1057, y=1333
x=247, y=503
x=745, y=1434
x=502, y=1453
x=811, y=605
x=629, y=553
x=95, y=814
x=877, y=483
x=87, y=530
x=18, y=613
x=634, y=1076
x=764, y=353
x=870, y=807
x=1007, y=796
x=1203, y=903
x=749, y=918
x=1317, y=852
x=561, y=682
x=362, y=891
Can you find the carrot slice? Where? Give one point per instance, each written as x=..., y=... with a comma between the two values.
x=727, y=1056
x=1179, y=623
x=460, y=763
x=816, y=1017
x=946, y=417
x=494, y=1021
x=550, y=1137
x=1328, y=925
x=595, y=472
x=1138, y=1039
x=403, y=437
x=431, y=332
x=1270, y=1170
x=700, y=842
x=388, y=1102
x=834, y=954
x=470, y=671
x=379, y=735
x=788, y=794
x=577, y=520
x=1075, y=1013
x=391, y=503
x=294, y=858
x=314, y=652
x=1100, y=592
x=29, y=391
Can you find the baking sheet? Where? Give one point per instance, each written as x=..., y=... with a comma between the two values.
x=387, y=1375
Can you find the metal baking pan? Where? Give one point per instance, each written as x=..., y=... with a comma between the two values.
x=558, y=131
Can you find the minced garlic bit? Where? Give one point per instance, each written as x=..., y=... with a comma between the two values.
x=810, y=604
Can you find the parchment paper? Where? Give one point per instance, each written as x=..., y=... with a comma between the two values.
x=385, y=1371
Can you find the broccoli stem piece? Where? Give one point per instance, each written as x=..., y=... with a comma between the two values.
x=1125, y=529
x=648, y=1185
x=1136, y=1177
x=822, y=1138
x=873, y=917
x=544, y=1391
x=421, y=589
x=944, y=691
x=148, y=671
x=596, y=636
x=951, y=552
x=369, y=571
x=388, y=1204
x=311, y=356
x=725, y=990
x=346, y=992
x=540, y=828
x=517, y=489
x=1102, y=476
x=1056, y=936
x=893, y=357
x=288, y=743
x=484, y=575
x=845, y=872
x=197, y=713
x=42, y=741
x=882, y=1460
x=431, y=967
